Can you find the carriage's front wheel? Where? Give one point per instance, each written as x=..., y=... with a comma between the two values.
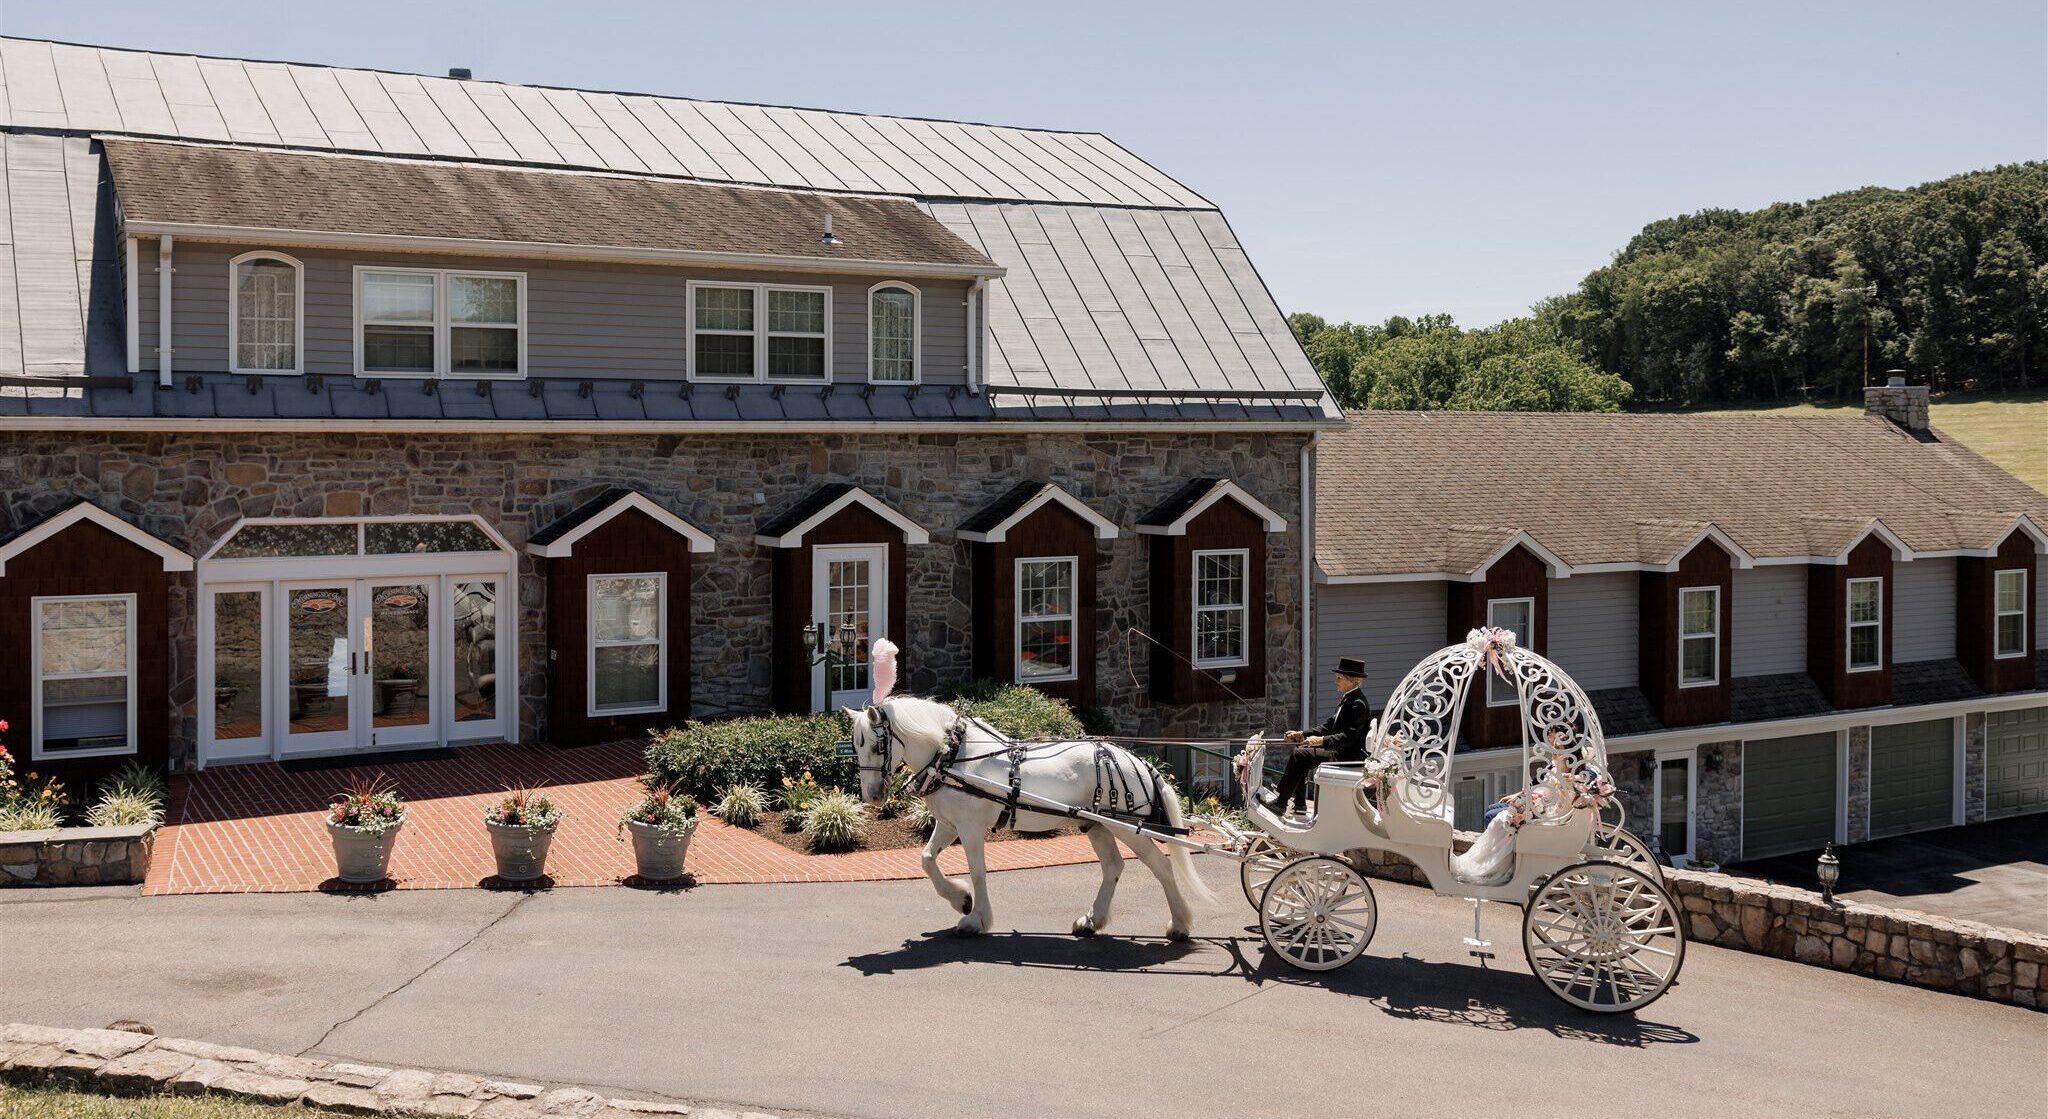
x=1603, y=936
x=1623, y=846
x=1318, y=913
x=1263, y=859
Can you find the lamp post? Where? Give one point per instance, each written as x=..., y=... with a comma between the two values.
x=1829, y=871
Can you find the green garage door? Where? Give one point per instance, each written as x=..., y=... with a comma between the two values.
x=2016, y=762
x=1788, y=794
x=1912, y=777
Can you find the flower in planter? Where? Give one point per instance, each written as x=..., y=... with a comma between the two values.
x=370, y=805
x=659, y=807
x=523, y=807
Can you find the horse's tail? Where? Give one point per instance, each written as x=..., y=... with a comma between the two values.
x=1182, y=861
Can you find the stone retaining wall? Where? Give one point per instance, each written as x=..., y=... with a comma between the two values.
x=1793, y=924
x=76, y=856
x=136, y=1064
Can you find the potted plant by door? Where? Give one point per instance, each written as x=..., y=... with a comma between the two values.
x=522, y=825
x=395, y=691
x=364, y=823
x=661, y=822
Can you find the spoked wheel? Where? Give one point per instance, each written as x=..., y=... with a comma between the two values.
x=1603, y=936
x=1318, y=913
x=1263, y=860
x=1623, y=846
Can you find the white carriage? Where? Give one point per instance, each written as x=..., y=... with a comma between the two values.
x=1599, y=928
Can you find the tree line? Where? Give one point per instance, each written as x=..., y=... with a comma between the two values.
x=1948, y=281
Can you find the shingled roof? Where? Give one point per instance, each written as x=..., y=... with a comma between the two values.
x=1443, y=494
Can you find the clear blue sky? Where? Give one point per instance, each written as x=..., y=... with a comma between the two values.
x=1376, y=158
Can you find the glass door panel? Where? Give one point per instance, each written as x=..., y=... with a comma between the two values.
x=238, y=675
x=473, y=647
x=320, y=667
x=1674, y=806
x=399, y=641
x=850, y=597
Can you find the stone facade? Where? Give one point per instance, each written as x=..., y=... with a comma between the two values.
x=76, y=856
x=192, y=490
x=1974, y=773
x=1857, y=810
x=1717, y=802
x=1635, y=785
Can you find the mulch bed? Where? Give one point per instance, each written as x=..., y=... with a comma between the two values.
x=881, y=835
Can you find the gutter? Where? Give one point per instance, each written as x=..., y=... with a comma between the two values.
x=1308, y=563
x=164, y=272
x=374, y=426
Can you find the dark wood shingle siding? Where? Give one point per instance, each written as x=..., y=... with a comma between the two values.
x=1051, y=531
x=1976, y=606
x=631, y=543
x=1707, y=565
x=1827, y=627
x=792, y=568
x=1518, y=574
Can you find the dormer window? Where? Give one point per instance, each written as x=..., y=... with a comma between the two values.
x=892, y=334
x=1699, y=637
x=264, y=300
x=1866, y=624
x=2009, y=613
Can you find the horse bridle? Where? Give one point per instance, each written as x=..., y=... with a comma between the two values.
x=879, y=724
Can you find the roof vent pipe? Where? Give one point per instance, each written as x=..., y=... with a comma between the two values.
x=828, y=238
x=459, y=73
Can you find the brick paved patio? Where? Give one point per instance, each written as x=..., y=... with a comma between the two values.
x=258, y=828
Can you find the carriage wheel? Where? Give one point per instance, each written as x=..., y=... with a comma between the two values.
x=1623, y=846
x=1263, y=859
x=1603, y=936
x=1318, y=913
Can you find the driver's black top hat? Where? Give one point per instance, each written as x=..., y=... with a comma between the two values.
x=1351, y=666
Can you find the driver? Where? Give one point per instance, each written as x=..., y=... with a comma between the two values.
x=1341, y=738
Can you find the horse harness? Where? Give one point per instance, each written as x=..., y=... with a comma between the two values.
x=1139, y=797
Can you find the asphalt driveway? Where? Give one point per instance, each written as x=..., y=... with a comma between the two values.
x=1994, y=872
x=843, y=1000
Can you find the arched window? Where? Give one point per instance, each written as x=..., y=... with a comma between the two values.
x=892, y=334
x=265, y=313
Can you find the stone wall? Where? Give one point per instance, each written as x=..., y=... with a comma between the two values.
x=192, y=490
x=1974, y=772
x=76, y=856
x=1858, y=810
x=1717, y=802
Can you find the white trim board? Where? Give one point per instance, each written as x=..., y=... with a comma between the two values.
x=341, y=426
x=565, y=545
x=1274, y=522
x=913, y=533
x=174, y=559
x=1105, y=529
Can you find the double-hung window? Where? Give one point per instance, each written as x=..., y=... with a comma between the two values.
x=628, y=664
x=427, y=323
x=84, y=682
x=1517, y=616
x=1045, y=619
x=1699, y=637
x=892, y=334
x=753, y=332
x=2009, y=613
x=264, y=298
x=1866, y=624
x=1222, y=607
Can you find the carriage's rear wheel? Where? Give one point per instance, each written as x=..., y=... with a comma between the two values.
x=1623, y=846
x=1318, y=913
x=1263, y=859
x=1603, y=936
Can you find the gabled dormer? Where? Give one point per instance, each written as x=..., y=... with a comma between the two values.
x=1849, y=611
x=1997, y=596
x=1685, y=649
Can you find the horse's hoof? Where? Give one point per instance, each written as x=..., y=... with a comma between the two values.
x=1177, y=935
x=1083, y=927
x=966, y=930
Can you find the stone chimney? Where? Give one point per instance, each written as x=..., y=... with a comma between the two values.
x=1899, y=402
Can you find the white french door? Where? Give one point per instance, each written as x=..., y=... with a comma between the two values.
x=850, y=598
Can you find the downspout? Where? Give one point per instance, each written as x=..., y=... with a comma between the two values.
x=1308, y=570
x=974, y=289
x=134, y=294
x=163, y=310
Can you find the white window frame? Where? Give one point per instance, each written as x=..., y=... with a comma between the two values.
x=1850, y=625
x=1244, y=607
x=1513, y=696
x=443, y=328
x=1712, y=636
x=916, y=331
x=35, y=614
x=592, y=644
x=235, y=314
x=760, y=333
x=1072, y=617
x=1997, y=651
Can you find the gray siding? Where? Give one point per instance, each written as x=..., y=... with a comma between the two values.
x=1769, y=619
x=583, y=319
x=1924, y=611
x=2033, y=596
x=1594, y=620
x=1390, y=625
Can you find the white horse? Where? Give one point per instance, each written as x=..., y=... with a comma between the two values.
x=913, y=732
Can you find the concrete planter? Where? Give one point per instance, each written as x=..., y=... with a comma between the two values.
x=360, y=857
x=521, y=851
x=659, y=854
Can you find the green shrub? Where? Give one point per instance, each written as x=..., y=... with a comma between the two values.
x=797, y=796
x=834, y=821
x=117, y=807
x=30, y=815
x=918, y=815
x=704, y=757
x=136, y=779
x=1016, y=710
x=741, y=805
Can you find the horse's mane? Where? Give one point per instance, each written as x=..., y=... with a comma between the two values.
x=916, y=716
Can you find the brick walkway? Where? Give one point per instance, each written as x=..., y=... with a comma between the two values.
x=258, y=829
